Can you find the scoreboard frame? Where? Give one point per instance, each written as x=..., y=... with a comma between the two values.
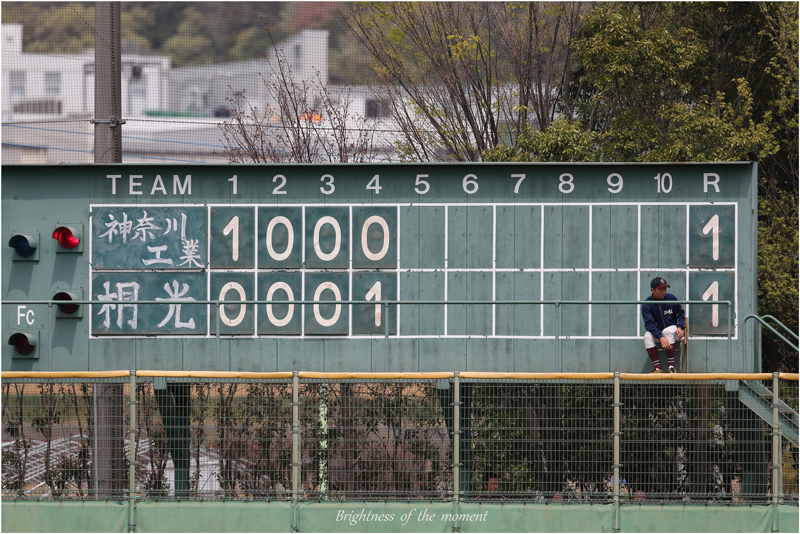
x=558, y=196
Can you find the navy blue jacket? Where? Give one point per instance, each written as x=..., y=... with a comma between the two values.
x=659, y=316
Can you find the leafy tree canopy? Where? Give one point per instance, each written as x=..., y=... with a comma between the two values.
x=693, y=82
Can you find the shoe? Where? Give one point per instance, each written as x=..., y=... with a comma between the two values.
x=672, y=370
x=657, y=371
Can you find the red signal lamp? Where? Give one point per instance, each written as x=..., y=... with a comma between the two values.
x=68, y=237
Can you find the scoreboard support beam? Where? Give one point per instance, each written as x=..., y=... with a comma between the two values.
x=109, y=429
x=174, y=403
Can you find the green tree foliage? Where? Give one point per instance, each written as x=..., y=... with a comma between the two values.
x=693, y=82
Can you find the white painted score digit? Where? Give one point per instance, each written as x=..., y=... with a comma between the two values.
x=712, y=293
x=616, y=185
x=338, y=241
x=566, y=185
x=713, y=227
x=375, y=293
x=317, y=315
x=375, y=219
x=235, y=180
x=663, y=183
x=519, y=182
x=242, y=308
x=420, y=182
x=279, y=188
x=289, y=293
x=328, y=183
x=470, y=184
x=233, y=226
x=375, y=184
x=289, y=241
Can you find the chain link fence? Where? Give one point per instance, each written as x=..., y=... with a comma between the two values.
x=393, y=438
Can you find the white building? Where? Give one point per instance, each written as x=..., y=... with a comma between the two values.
x=62, y=85
x=172, y=114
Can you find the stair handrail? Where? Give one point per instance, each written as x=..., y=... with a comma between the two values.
x=765, y=317
x=764, y=323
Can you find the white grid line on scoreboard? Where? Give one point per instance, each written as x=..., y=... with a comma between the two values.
x=639, y=261
x=255, y=263
x=591, y=239
x=350, y=274
x=398, y=269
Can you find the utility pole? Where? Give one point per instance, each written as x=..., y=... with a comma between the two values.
x=109, y=461
x=107, y=83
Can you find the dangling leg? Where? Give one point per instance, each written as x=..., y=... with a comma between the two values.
x=650, y=346
x=669, y=333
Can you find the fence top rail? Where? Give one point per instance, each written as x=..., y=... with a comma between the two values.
x=697, y=376
x=538, y=376
x=8, y=375
x=212, y=374
x=340, y=376
x=64, y=374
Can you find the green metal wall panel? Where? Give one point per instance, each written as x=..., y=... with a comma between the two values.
x=538, y=518
x=214, y=517
x=29, y=516
x=167, y=516
x=374, y=517
x=456, y=231
x=655, y=518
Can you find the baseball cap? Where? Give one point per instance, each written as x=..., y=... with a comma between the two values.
x=658, y=282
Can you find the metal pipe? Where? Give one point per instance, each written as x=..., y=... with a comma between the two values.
x=51, y=327
x=777, y=322
x=386, y=332
x=218, y=344
x=295, y=443
x=730, y=353
x=456, y=444
x=616, y=451
x=777, y=478
x=558, y=336
x=764, y=323
x=132, y=455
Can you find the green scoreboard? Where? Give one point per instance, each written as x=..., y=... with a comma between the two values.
x=446, y=234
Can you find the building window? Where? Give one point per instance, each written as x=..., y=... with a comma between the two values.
x=16, y=79
x=137, y=95
x=52, y=83
x=377, y=108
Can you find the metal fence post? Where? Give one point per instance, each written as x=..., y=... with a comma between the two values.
x=616, y=452
x=132, y=448
x=777, y=475
x=386, y=332
x=295, y=443
x=456, y=445
x=52, y=326
x=218, y=349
